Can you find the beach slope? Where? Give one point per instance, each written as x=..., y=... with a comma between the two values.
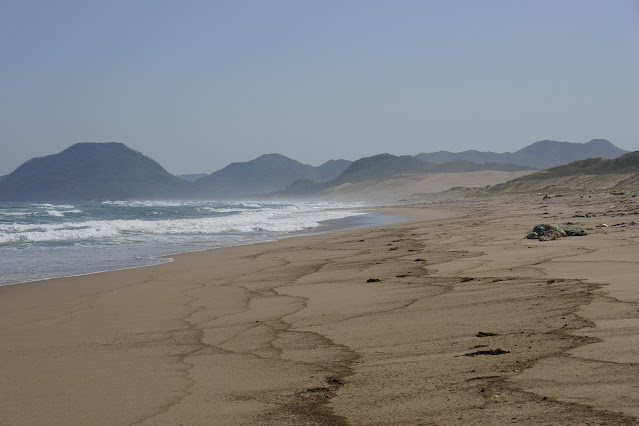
x=451, y=318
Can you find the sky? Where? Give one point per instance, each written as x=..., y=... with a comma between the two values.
x=196, y=85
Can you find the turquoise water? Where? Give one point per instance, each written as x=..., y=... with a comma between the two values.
x=45, y=240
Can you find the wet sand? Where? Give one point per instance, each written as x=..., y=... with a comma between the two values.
x=469, y=323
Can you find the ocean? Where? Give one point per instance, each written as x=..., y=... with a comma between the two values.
x=39, y=241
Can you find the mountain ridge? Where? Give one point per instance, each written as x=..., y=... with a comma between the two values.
x=538, y=155
x=264, y=174
x=384, y=166
x=111, y=170
x=192, y=177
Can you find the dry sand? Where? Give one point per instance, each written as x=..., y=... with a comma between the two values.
x=412, y=187
x=291, y=332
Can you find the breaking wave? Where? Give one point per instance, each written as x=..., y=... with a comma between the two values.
x=230, y=219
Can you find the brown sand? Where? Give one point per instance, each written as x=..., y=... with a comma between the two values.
x=412, y=187
x=291, y=332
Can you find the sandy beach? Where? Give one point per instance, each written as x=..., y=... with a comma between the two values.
x=463, y=322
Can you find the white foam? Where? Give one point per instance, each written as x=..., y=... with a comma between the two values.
x=147, y=203
x=58, y=206
x=16, y=214
x=290, y=218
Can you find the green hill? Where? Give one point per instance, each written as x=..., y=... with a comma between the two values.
x=592, y=172
x=591, y=166
x=380, y=167
x=91, y=171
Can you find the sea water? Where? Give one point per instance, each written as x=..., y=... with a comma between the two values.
x=43, y=240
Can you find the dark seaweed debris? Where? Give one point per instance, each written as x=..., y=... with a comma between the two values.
x=486, y=334
x=497, y=351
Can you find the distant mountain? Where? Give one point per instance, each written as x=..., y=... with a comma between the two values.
x=380, y=167
x=547, y=153
x=192, y=177
x=265, y=174
x=539, y=155
x=91, y=171
x=471, y=156
x=95, y=171
x=590, y=173
x=383, y=166
x=375, y=168
x=330, y=170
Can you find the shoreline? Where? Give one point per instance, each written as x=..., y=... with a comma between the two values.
x=326, y=226
x=291, y=332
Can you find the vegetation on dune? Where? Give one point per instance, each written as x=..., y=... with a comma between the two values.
x=592, y=172
x=628, y=163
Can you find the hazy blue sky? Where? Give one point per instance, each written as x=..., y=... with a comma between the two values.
x=198, y=84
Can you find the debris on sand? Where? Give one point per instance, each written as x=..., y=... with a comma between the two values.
x=466, y=279
x=486, y=334
x=373, y=280
x=333, y=380
x=319, y=389
x=547, y=232
x=497, y=351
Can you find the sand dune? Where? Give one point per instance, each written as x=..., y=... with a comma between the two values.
x=416, y=186
x=571, y=183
